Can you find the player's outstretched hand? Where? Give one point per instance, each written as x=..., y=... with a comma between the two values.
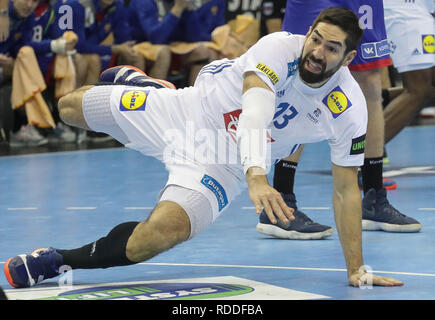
x=263, y=195
x=368, y=279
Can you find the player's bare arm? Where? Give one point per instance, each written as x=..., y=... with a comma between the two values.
x=260, y=192
x=347, y=213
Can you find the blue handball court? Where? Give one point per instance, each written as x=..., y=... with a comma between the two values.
x=65, y=198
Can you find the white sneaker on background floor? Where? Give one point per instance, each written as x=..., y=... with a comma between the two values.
x=27, y=136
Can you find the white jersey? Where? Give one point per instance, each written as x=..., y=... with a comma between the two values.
x=421, y=5
x=411, y=32
x=180, y=127
x=335, y=112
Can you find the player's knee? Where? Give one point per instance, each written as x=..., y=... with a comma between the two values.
x=164, y=55
x=173, y=227
x=66, y=108
x=202, y=54
x=70, y=108
x=93, y=59
x=93, y=62
x=418, y=84
x=167, y=226
x=417, y=94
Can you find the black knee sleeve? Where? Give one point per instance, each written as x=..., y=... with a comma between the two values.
x=109, y=251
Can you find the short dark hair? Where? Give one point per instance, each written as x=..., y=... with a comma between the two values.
x=346, y=20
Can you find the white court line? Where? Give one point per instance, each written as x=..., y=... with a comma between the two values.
x=81, y=208
x=22, y=209
x=420, y=274
x=426, y=209
x=57, y=153
x=277, y=267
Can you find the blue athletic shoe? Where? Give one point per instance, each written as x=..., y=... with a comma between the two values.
x=128, y=75
x=302, y=228
x=379, y=214
x=26, y=270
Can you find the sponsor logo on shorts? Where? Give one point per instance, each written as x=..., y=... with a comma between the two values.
x=268, y=72
x=368, y=50
x=292, y=68
x=375, y=49
x=337, y=102
x=133, y=100
x=358, y=145
x=415, y=52
x=428, y=43
x=217, y=189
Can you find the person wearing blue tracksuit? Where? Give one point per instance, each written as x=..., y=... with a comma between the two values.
x=47, y=33
x=179, y=22
x=94, y=21
x=189, y=26
x=21, y=17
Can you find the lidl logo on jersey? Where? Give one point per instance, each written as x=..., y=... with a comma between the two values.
x=292, y=68
x=428, y=43
x=133, y=100
x=217, y=189
x=337, y=102
x=375, y=49
x=268, y=72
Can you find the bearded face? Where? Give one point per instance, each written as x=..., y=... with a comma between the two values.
x=324, y=53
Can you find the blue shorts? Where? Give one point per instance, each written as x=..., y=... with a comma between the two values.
x=372, y=52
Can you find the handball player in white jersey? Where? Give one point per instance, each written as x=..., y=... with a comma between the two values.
x=285, y=91
x=410, y=28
